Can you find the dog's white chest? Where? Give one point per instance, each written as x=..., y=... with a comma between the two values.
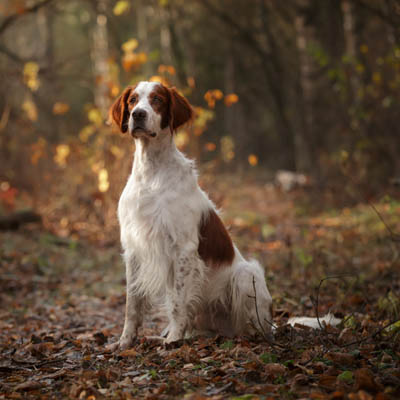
x=150, y=213
x=140, y=211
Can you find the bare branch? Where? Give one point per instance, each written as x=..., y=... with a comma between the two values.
x=13, y=17
x=265, y=335
x=341, y=276
x=5, y=117
x=377, y=332
x=256, y=306
x=394, y=236
x=10, y=54
x=379, y=13
x=246, y=35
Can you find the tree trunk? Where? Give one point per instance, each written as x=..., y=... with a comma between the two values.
x=165, y=37
x=303, y=136
x=393, y=31
x=47, y=94
x=350, y=43
x=100, y=59
x=273, y=72
x=142, y=31
x=229, y=87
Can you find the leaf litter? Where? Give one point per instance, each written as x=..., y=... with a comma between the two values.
x=62, y=304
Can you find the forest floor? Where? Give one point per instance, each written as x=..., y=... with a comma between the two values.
x=62, y=301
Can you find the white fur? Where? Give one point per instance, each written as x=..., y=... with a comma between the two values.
x=328, y=319
x=143, y=89
x=159, y=211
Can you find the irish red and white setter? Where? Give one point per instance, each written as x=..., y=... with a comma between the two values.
x=176, y=249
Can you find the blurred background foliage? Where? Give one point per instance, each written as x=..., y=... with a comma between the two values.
x=301, y=85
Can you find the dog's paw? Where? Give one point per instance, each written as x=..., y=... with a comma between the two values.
x=164, y=333
x=173, y=344
x=112, y=347
x=124, y=343
x=173, y=337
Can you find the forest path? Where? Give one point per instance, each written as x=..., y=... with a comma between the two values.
x=62, y=300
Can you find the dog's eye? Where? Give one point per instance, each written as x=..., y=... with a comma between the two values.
x=132, y=100
x=157, y=100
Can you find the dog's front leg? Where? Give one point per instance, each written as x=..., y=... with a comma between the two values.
x=183, y=290
x=134, y=306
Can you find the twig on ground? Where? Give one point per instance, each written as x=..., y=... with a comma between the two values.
x=15, y=220
x=316, y=303
x=265, y=335
x=323, y=328
x=394, y=236
x=377, y=332
x=345, y=319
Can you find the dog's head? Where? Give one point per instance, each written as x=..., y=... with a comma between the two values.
x=150, y=109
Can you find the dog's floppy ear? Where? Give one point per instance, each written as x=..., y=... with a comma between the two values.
x=180, y=111
x=119, y=112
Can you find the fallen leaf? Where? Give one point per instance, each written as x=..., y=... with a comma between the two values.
x=318, y=396
x=345, y=359
x=128, y=353
x=346, y=376
x=364, y=379
x=328, y=381
x=274, y=369
x=28, y=385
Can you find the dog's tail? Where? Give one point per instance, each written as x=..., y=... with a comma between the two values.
x=315, y=323
x=251, y=300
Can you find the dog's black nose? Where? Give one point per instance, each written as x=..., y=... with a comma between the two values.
x=139, y=114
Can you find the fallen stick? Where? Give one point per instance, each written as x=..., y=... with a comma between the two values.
x=15, y=220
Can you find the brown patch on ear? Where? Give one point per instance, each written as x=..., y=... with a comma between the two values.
x=180, y=111
x=215, y=244
x=119, y=112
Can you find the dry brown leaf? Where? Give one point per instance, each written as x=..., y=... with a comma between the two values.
x=328, y=381
x=337, y=395
x=341, y=358
x=28, y=385
x=128, y=353
x=364, y=379
x=360, y=395
x=318, y=396
x=299, y=380
x=346, y=335
x=274, y=369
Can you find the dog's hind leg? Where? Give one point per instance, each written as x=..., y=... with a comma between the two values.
x=183, y=294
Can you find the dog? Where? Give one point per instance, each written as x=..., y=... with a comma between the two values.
x=176, y=249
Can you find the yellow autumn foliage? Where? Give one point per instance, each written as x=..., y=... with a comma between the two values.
x=130, y=45
x=103, y=184
x=121, y=7
x=60, y=108
x=253, y=160
x=30, y=73
x=62, y=152
x=212, y=95
x=231, y=99
x=31, y=110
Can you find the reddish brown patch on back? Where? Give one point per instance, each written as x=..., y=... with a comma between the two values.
x=215, y=245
